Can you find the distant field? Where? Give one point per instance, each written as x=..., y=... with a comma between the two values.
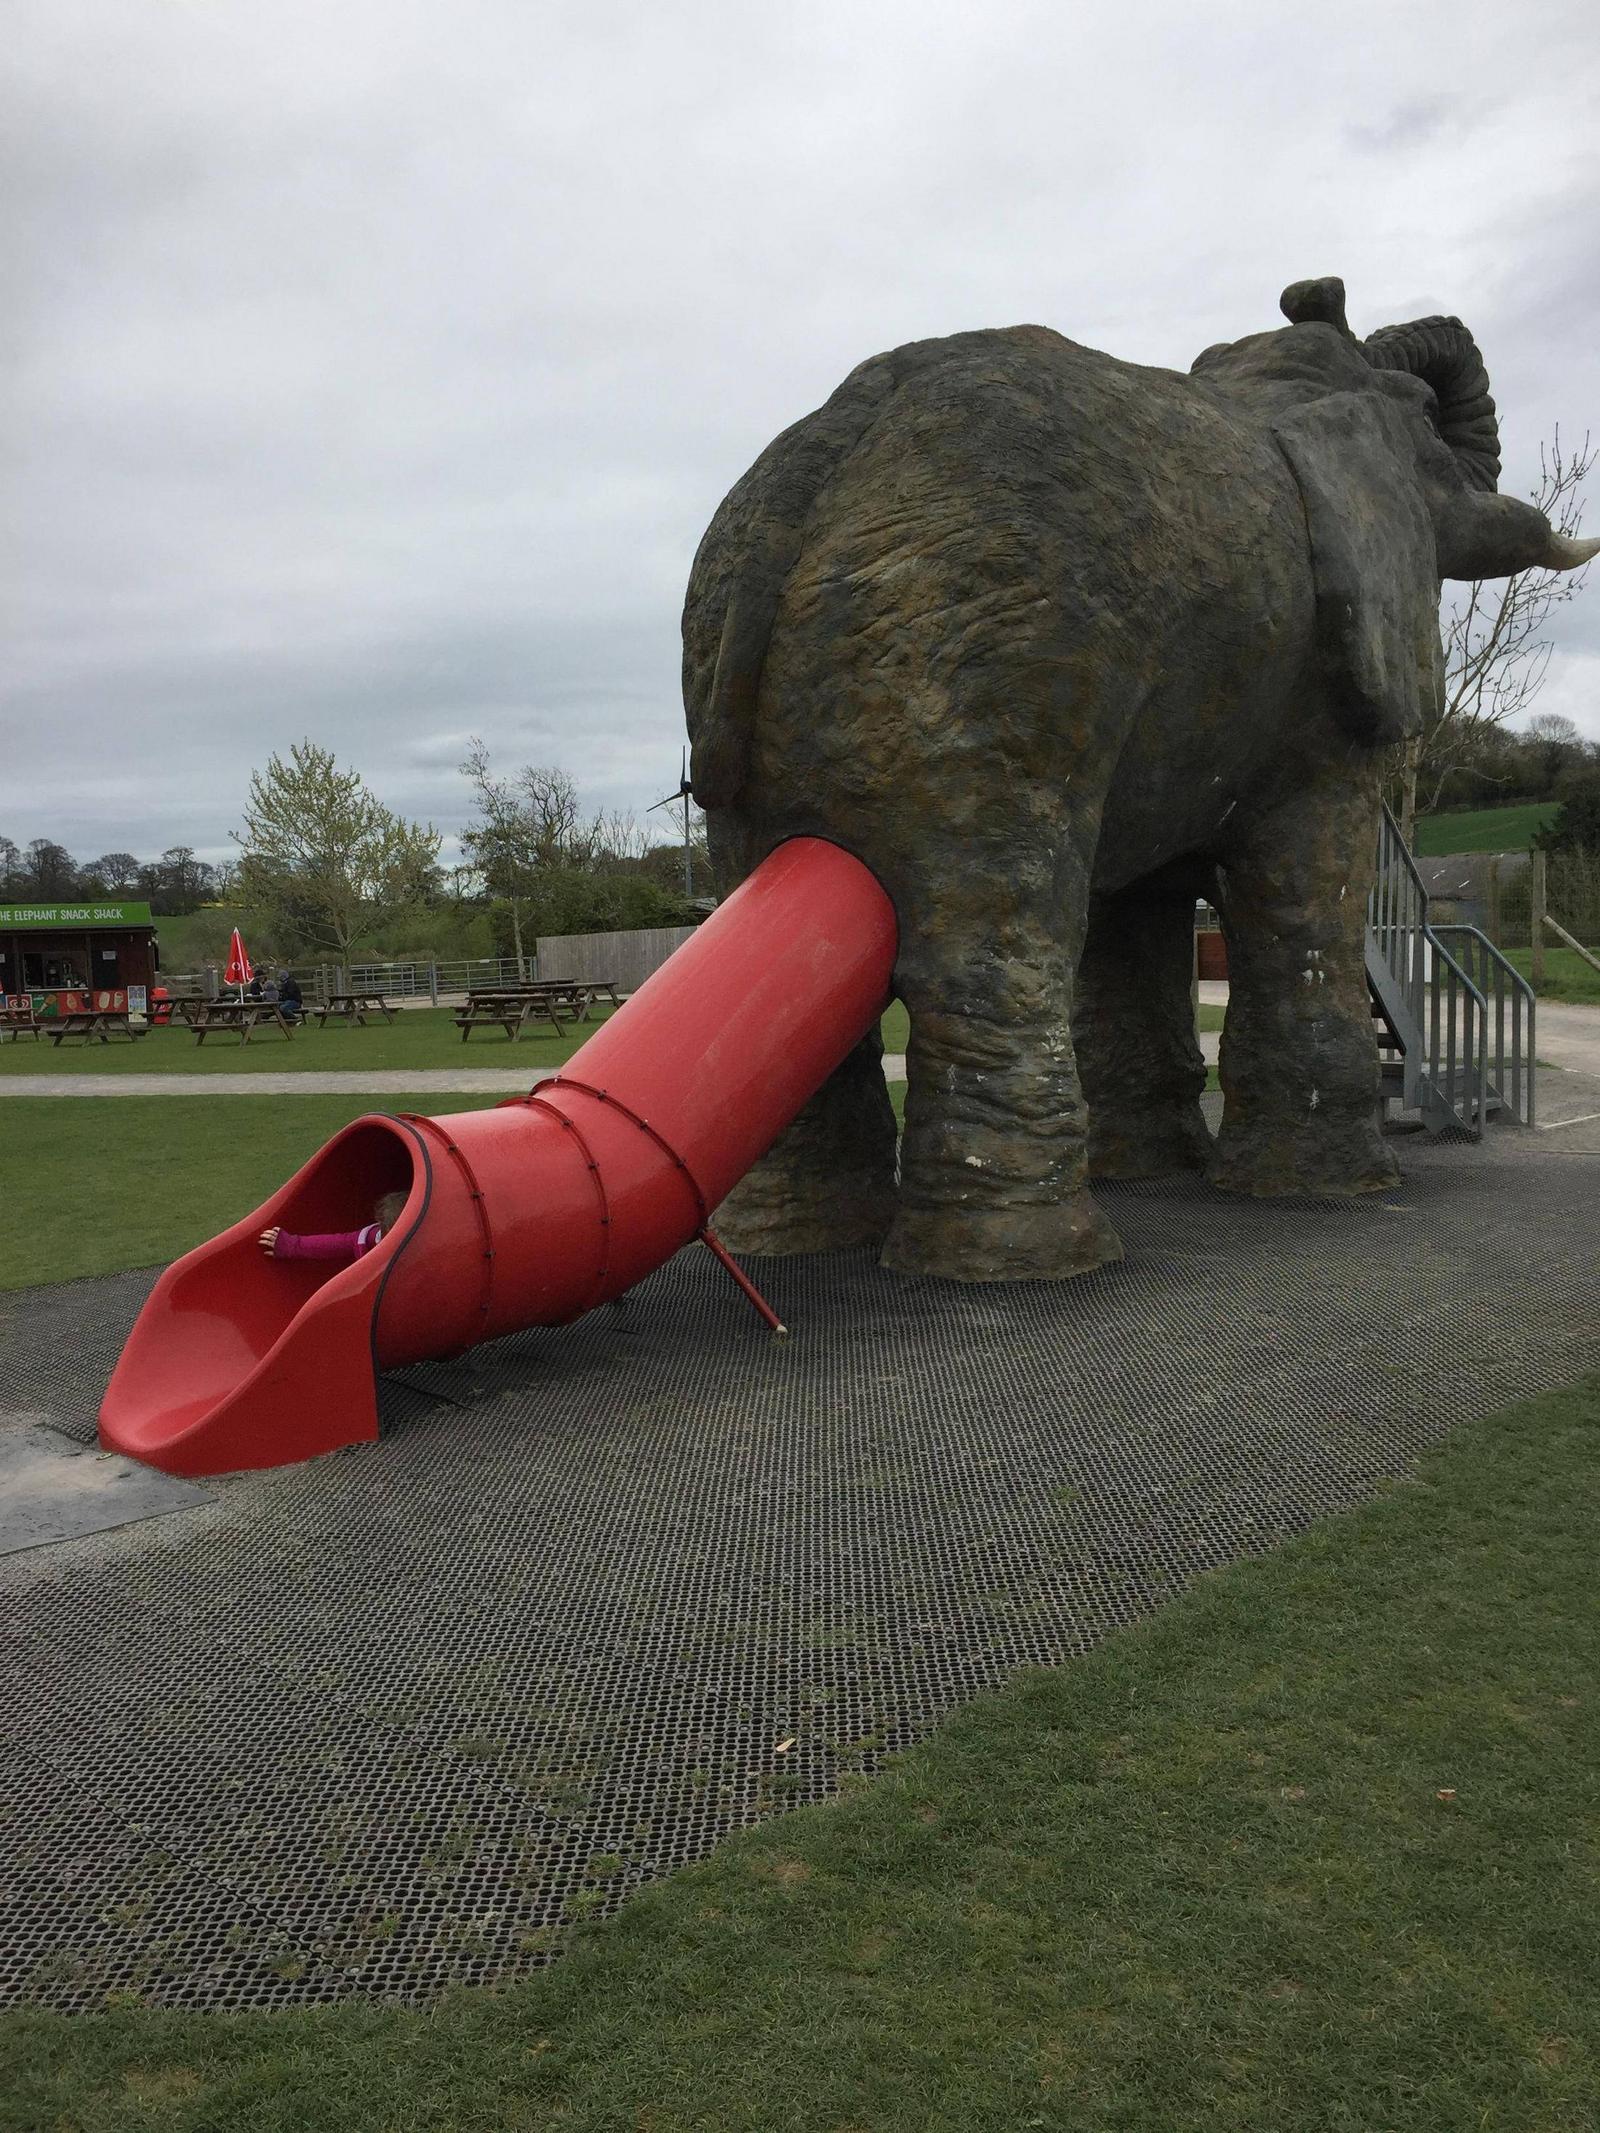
x=202, y=936
x=184, y=941
x=1482, y=829
x=1566, y=976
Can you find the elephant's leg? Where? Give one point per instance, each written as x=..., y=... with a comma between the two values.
x=1133, y=1031
x=828, y=1182
x=1299, y=1061
x=993, y=1178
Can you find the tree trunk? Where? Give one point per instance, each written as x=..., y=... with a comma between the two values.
x=1408, y=789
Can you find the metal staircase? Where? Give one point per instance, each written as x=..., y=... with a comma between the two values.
x=1454, y=1019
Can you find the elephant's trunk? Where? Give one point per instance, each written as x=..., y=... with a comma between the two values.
x=1496, y=536
x=1444, y=355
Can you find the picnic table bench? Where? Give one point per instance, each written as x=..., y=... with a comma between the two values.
x=186, y=1004
x=87, y=1022
x=246, y=1016
x=18, y=1017
x=588, y=990
x=576, y=994
x=509, y=1008
x=352, y=1006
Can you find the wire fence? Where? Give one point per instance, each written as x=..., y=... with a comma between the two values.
x=418, y=979
x=1572, y=896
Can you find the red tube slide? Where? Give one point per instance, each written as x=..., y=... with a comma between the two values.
x=528, y=1214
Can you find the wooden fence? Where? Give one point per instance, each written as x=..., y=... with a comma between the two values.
x=626, y=959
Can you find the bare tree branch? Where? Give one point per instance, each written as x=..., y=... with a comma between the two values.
x=1496, y=650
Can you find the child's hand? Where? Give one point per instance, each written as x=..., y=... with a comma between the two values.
x=268, y=1241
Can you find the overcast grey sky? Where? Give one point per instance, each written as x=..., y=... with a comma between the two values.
x=373, y=366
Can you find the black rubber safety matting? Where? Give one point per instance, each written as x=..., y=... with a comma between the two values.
x=382, y=1723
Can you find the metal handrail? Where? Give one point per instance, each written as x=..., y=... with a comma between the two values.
x=1441, y=1011
x=1397, y=912
x=1458, y=1086
x=1514, y=1077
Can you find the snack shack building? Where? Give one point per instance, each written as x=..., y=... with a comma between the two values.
x=71, y=957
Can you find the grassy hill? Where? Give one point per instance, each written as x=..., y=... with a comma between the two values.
x=202, y=936
x=1482, y=829
x=188, y=941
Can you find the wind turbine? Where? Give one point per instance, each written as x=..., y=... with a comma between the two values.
x=683, y=793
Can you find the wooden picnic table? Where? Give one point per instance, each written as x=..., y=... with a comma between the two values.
x=582, y=993
x=18, y=1017
x=246, y=1016
x=509, y=1008
x=186, y=1004
x=579, y=994
x=352, y=1006
x=87, y=1022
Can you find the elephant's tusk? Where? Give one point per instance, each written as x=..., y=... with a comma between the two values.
x=1564, y=554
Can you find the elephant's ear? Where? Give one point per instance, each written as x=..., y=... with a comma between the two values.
x=1372, y=560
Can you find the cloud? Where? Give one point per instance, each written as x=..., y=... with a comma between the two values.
x=376, y=369
x=1406, y=125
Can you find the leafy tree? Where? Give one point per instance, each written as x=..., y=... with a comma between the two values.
x=524, y=824
x=119, y=871
x=177, y=882
x=322, y=860
x=531, y=844
x=10, y=869
x=49, y=872
x=1577, y=822
x=1554, y=747
x=576, y=900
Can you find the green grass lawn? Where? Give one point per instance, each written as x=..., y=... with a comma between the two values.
x=97, y=1187
x=1315, y=1849
x=418, y=1040
x=423, y=1037
x=1566, y=976
x=1482, y=829
x=93, y=1187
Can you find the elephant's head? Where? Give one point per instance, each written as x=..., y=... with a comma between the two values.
x=1395, y=446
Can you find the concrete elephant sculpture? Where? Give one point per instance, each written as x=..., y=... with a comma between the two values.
x=1053, y=643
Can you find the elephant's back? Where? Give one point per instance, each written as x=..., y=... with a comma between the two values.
x=756, y=537
x=1028, y=512
x=983, y=549
x=1026, y=455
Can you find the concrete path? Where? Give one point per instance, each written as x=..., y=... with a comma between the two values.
x=384, y=1081
x=1568, y=1035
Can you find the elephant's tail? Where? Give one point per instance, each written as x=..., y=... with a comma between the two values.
x=745, y=559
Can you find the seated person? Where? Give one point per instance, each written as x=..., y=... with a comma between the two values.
x=340, y=1245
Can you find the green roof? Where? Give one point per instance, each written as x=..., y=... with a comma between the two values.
x=75, y=915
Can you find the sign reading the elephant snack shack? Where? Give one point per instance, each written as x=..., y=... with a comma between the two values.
x=75, y=915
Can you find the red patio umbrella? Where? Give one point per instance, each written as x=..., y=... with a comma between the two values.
x=238, y=971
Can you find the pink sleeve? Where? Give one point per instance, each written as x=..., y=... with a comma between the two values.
x=344, y=1244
